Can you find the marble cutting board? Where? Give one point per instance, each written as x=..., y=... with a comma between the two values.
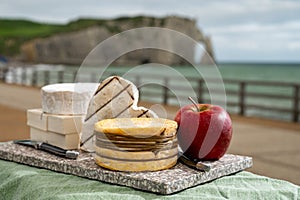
x=175, y=179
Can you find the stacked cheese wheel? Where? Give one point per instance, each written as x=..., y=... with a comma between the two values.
x=59, y=121
x=136, y=144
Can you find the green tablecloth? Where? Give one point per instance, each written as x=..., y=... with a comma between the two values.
x=23, y=182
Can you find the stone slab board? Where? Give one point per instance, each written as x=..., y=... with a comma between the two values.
x=168, y=181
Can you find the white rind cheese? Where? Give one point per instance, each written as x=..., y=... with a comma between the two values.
x=69, y=141
x=67, y=98
x=63, y=124
x=36, y=119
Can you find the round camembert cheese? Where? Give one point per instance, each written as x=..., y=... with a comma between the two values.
x=67, y=98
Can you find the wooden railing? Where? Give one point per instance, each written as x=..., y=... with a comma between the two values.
x=239, y=93
x=242, y=94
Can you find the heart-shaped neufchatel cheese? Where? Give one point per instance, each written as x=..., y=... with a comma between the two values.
x=115, y=97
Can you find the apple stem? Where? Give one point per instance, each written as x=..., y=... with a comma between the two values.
x=195, y=104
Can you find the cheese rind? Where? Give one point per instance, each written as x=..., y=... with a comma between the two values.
x=70, y=141
x=141, y=166
x=63, y=124
x=67, y=98
x=137, y=126
x=35, y=118
x=136, y=144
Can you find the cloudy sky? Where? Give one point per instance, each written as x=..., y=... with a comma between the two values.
x=241, y=30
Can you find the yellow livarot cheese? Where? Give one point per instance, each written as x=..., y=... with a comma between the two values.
x=137, y=126
x=136, y=144
x=134, y=166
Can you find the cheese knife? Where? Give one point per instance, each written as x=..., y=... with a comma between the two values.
x=48, y=148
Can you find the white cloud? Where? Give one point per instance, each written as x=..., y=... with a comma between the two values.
x=289, y=26
x=257, y=41
x=294, y=46
x=248, y=29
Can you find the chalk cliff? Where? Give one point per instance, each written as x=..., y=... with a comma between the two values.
x=73, y=47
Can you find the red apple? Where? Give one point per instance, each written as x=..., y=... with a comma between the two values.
x=204, y=131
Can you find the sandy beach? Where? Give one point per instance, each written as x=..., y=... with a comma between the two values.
x=274, y=145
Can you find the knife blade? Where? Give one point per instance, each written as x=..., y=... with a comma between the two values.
x=48, y=148
x=194, y=163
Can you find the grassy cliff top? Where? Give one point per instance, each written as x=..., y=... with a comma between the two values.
x=14, y=32
x=27, y=28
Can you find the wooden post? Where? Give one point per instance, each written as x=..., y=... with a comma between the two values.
x=94, y=77
x=60, y=76
x=74, y=76
x=46, y=77
x=14, y=75
x=138, y=81
x=296, y=104
x=24, y=76
x=137, y=84
x=200, y=90
x=34, y=78
x=242, y=98
x=165, y=91
x=3, y=73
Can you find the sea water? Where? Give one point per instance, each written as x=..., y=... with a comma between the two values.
x=282, y=73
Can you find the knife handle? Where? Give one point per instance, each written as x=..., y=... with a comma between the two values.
x=58, y=151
